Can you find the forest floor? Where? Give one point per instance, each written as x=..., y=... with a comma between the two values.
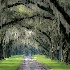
x=31, y=64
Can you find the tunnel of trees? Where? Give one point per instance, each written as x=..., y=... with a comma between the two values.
x=35, y=26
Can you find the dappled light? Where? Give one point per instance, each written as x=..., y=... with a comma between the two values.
x=34, y=34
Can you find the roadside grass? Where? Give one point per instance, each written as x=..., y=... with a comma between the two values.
x=11, y=63
x=53, y=64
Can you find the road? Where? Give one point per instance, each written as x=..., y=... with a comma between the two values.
x=31, y=64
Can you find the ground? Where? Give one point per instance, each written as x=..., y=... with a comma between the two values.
x=53, y=64
x=36, y=62
x=11, y=63
x=31, y=64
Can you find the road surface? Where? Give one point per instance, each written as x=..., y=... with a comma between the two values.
x=31, y=64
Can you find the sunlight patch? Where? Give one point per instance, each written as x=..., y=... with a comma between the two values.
x=20, y=8
x=35, y=57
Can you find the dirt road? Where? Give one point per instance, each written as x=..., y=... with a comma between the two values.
x=31, y=64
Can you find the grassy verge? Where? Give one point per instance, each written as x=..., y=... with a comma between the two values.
x=11, y=63
x=55, y=65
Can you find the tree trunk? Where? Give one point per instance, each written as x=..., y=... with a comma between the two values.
x=1, y=51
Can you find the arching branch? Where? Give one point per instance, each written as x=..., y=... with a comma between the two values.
x=66, y=16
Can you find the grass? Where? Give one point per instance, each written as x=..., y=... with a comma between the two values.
x=11, y=63
x=53, y=64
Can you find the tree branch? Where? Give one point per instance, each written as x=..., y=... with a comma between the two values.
x=65, y=15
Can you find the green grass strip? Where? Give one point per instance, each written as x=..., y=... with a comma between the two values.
x=11, y=63
x=53, y=64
